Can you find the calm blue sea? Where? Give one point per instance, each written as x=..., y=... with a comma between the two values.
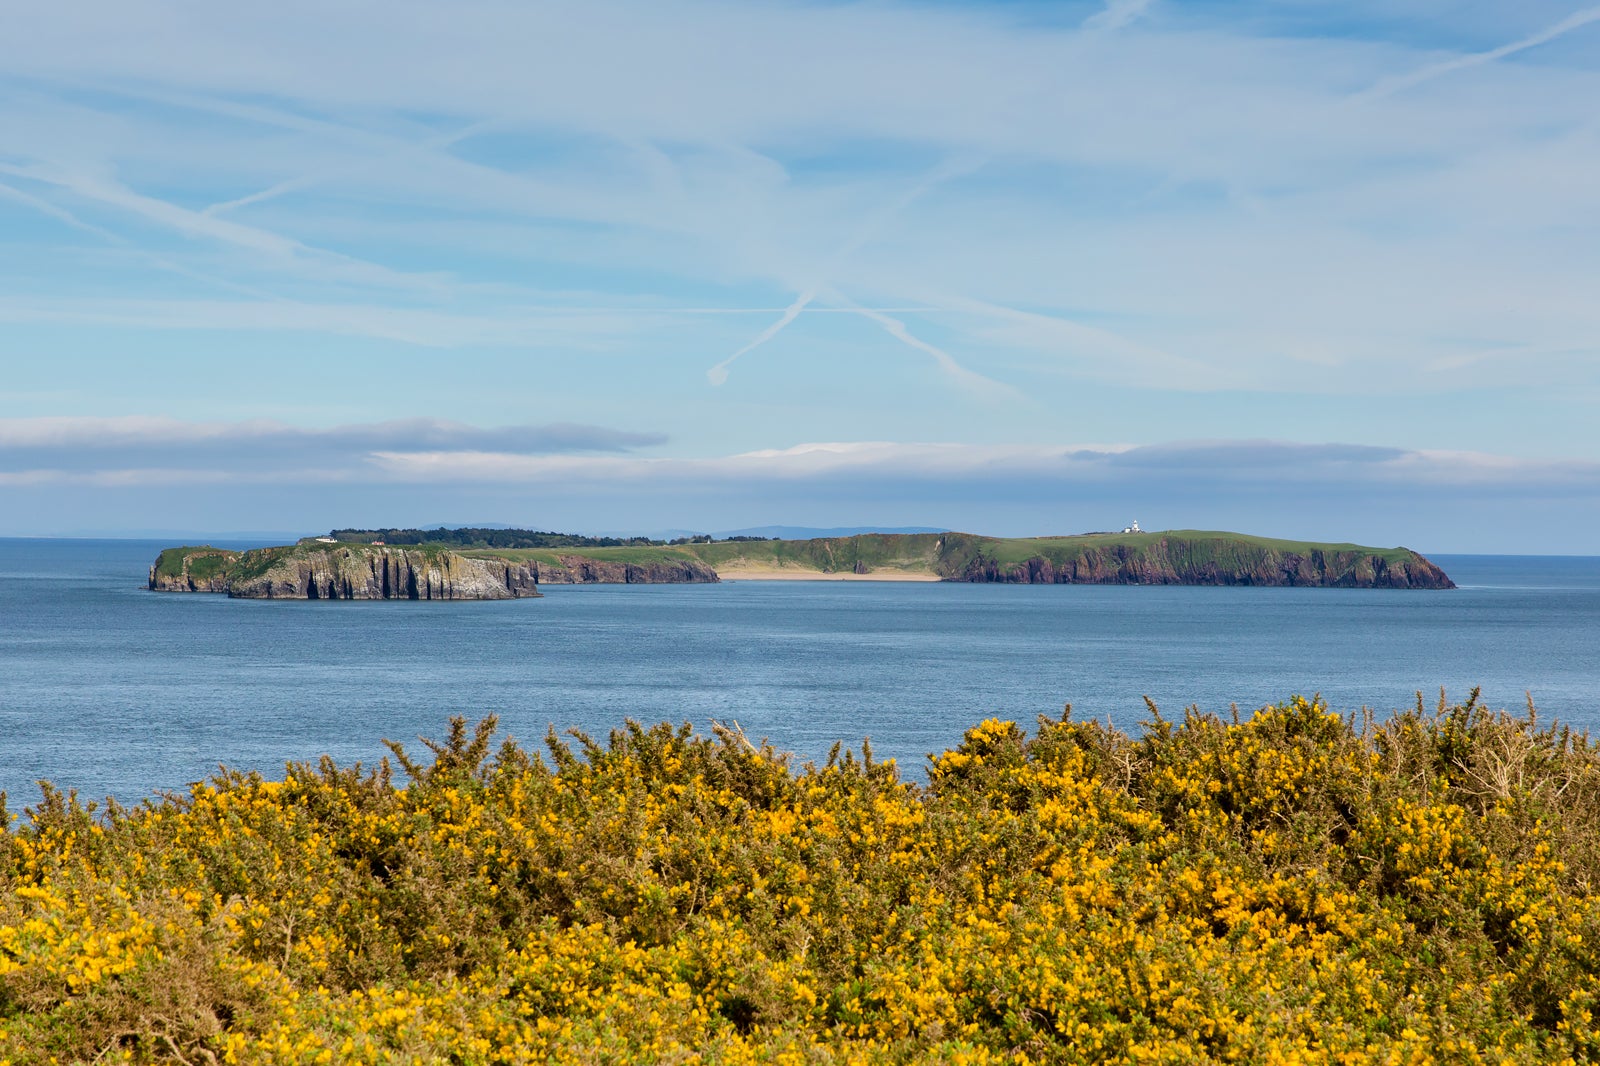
x=112, y=689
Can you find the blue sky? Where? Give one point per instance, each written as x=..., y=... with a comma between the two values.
x=1327, y=270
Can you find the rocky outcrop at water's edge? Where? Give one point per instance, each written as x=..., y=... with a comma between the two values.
x=370, y=573
x=312, y=571
x=1168, y=564
x=341, y=572
x=192, y=570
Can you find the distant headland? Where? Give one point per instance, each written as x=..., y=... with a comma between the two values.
x=495, y=564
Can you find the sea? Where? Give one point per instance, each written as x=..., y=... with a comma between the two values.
x=113, y=690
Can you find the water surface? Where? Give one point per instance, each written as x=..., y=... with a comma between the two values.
x=113, y=689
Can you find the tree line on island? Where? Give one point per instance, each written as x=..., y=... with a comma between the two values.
x=494, y=537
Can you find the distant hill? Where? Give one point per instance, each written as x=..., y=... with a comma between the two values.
x=812, y=532
x=497, y=536
x=486, y=537
x=665, y=536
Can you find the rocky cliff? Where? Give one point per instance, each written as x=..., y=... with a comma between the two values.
x=580, y=570
x=312, y=570
x=342, y=572
x=1172, y=561
x=202, y=569
x=361, y=572
x=321, y=569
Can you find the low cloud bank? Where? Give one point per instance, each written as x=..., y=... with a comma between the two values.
x=1190, y=466
x=113, y=476
x=131, y=451
x=127, y=450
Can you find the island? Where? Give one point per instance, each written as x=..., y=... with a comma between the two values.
x=316, y=570
x=469, y=564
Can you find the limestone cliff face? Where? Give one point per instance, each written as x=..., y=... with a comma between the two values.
x=579, y=570
x=192, y=570
x=317, y=568
x=374, y=573
x=313, y=571
x=341, y=572
x=1167, y=563
x=186, y=582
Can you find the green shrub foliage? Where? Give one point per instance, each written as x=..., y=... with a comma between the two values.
x=1289, y=886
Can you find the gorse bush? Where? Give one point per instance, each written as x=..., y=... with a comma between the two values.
x=1289, y=887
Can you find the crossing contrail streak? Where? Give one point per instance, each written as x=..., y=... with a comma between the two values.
x=719, y=373
x=306, y=181
x=1117, y=14
x=950, y=168
x=1390, y=86
x=947, y=362
x=60, y=214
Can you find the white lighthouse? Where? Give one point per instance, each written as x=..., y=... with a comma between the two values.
x=1133, y=528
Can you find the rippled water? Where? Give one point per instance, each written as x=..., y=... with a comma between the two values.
x=112, y=689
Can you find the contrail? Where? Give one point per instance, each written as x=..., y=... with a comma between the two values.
x=1117, y=14
x=113, y=193
x=306, y=181
x=950, y=168
x=719, y=373
x=60, y=214
x=48, y=208
x=1085, y=338
x=946, y=361
x=1390, y=86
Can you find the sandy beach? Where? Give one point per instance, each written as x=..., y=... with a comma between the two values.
x=786, y=573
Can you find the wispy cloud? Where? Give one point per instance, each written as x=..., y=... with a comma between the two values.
x=1169, y=198
x=1117, y=14
x=1399, y=83
x=954, y=371
x=1099, y=352
x=190, y=223
x=120, y=448
x=718, y=374
x=156, y=472
x=117, y=450
x=401, y=155
x=863, y=234
x=60, y=214
x=1192, y=465
x=945, y=361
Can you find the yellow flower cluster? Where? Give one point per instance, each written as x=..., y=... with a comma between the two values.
x=73, y=942
x=1286, y=888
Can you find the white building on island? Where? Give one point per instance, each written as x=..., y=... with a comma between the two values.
x=1133, y=528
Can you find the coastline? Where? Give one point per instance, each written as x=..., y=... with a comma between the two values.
x=746, y=573
x=326, y=568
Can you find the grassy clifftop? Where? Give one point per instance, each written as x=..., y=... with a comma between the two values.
x=865, y=553
x=1184, y=557
x=1197, y=547
x=841, y=555
x=193, y=569
x=1175, y=557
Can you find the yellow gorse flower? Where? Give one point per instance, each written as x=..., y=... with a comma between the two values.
x=1286, y=888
